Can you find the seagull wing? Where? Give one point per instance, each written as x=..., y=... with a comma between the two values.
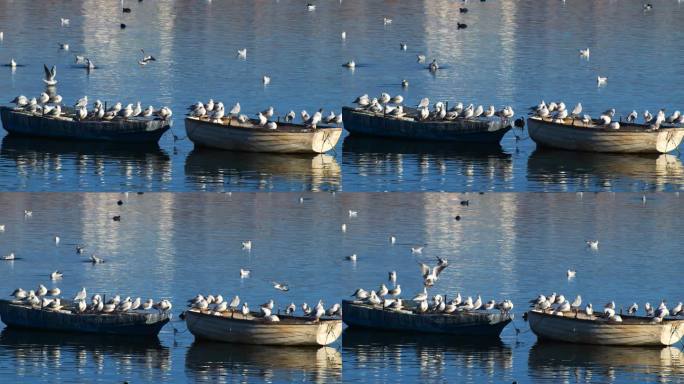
x=53, y=72
x=424, y=270
x=439, y=268
x=47, y=71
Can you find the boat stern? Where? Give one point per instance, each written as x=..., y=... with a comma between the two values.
x=669, y=139
x=325, y=139
x=329, y=332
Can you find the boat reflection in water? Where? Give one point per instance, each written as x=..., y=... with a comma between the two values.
x=560, y=170
x=70, y=165
x=381, y=161
x=34, y=354
x=214, y=169
x=213, y=362
x=559, y=362
x=427, y=356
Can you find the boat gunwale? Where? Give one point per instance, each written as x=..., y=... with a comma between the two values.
x=283, y=127
x=632, y=319
x=116, y=122
x=260, y=320
x=476, y=313
x=66, y=311
x=625, y=127
x=412, y=119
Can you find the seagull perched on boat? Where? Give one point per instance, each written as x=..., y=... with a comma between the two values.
x=235, y=110
x=50, y=74
x=262, y=119
x=20, y=101
x=268, y=113
x=632, y=116
x=330, y=118
x=362, y=100
x=290, y=116
x=360, y=294
x=649, y=309
x=633, y=308
x=335, y=310
x=218, y=112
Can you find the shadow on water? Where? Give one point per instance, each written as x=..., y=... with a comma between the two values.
x=567, y=167
x=14, y=146
x=206, y=360
x=64, y=350
x=211, y=166
x=428, y=351
x=554, y=361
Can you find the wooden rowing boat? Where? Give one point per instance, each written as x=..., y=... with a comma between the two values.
x=472, y=323
x=481, y=130
x=132, y=130
x=234, y=327
x=582, y=329
x=232, y=135
x=133, y=323
x=575, y=135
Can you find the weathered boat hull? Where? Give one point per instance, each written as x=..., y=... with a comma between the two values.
x=205, y=326
x=234, y=137
x=627, y=139
x=134, y=130
x=480, y=130
x=129, y=323
x=474, y=323
x=584, y=331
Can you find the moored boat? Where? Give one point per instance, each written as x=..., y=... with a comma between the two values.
x=234, y=327
x=133, y=323
x=583, y=329
x=478, y=323
x=466, y=130
x=233, y=135
x=575, y=135
x=66, y=126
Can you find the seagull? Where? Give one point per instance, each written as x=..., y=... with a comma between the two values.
x=577, y=110
x=422, y=296
x=344, y=227
x=244, y=273
x=9, y=257
x=234, y=302
x=56, y=275
x=351, y=258
x=245, y=309
x=247, y=245
x=290, y=309
x=632, y=116
x=235, y=110
x=576, y=303
x=64, y=21
x=416, y=250
x=433, y=66
x=335, y=310
x=393, y=276
x=396, y=291
x=601, y=80
x=266, y=80
x=593, y=244
x=290, y=116
x=404, y=83
x=147, y=58
x=242, y=53
x=360, y=294
x=343, y=35
x=12, y=63
x=571, y=274
x=64, y=46
x=96, y=260
x=50, y=75
x=386, y=21
x=147, y=305
x=584, y=53
x=89, y=64
x=403, y=46
x=81, y=295
x=424, y=103
x=351, y=64
x=633, y=308
x=281, y=286
x=310, y=7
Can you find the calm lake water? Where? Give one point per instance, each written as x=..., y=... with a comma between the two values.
x=178, y=244
x=513, y=52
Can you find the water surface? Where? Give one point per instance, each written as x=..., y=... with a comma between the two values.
x=506, y=245
x=513, y=52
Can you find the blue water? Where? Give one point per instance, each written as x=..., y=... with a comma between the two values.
x=176, y=245
x=513, y=52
